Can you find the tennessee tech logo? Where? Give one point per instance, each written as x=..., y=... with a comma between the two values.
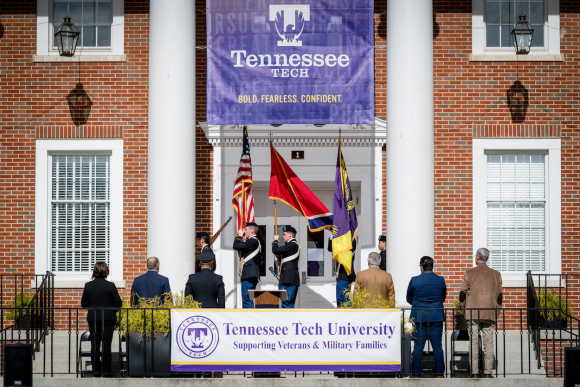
x=290, y=20
x=197, y=337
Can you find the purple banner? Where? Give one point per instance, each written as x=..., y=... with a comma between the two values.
x=272, y=62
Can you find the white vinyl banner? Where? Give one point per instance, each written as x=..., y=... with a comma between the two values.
x=285, y=340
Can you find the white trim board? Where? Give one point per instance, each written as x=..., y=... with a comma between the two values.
x=44, y=150
x=552, y=147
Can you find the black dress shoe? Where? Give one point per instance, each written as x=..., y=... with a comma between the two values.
x=488, y=376
x=473, y=376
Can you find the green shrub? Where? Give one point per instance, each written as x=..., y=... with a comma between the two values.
x=151, y=316
x=22, y=300
x=552, y=300
x=361, y=299
x=458, y=308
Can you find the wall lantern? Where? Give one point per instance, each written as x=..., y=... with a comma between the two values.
x=67, y=37
x=522, y=36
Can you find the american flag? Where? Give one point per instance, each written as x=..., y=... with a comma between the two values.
x=243, y=202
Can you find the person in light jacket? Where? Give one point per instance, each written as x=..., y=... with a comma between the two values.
x=481, y=289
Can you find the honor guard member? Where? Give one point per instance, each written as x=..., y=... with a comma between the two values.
x=203, y=243
x=250, y=250
x=343, y=280
x=383, y=248
x=289, y=254
x=204, y=286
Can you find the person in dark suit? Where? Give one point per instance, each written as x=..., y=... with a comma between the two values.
x=289, y=254
x=100, y=293
x=250, y=250
x=427, y=291
x=383, y=248
x=151, y=284
x=343, y=280
x=203, y=243
x=205, y=286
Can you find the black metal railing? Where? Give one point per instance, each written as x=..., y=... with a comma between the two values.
x=549, y=307
x=27, y=304
x=139, y=350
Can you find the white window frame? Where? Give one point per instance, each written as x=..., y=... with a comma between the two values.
x=552, y=150
x=44, y=151
x=550, y=51
x=45, y=34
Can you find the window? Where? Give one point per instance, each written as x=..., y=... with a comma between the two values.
x=493, y=20
x=516, y=205
x=80, y=212
x=79, y=209
x=100, y=22
x=502, y=15
x=93, y=18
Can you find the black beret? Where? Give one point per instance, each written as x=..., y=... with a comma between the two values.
x=289, y=229
x=250, y=224
x=201, y=234
x=206, y=256
x=382, y=238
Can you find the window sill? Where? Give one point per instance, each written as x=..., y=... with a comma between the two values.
x=77, y=59
x=516, y=58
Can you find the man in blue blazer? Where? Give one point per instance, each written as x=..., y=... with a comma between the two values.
x=151, y=284
x=427, y=291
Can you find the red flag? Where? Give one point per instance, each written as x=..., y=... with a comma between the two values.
x=288, y=188
x=243, y=198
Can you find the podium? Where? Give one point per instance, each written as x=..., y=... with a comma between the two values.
x=268, y=299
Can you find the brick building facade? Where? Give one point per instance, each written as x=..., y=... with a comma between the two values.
x=470, y=103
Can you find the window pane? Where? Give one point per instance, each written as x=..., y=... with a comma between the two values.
x=315, y=254
x=506, y=14
x=515, y=223
x=80, y=227
x=492, y=12
x=89, y=31
x=104, y=18
x=58, y=13
x=75, y=11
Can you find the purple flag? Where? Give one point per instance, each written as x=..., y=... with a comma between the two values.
x=344, y=214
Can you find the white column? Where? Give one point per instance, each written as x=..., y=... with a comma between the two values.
x=171, y=180
x=409, y=139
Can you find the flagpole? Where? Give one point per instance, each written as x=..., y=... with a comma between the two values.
x=275, y=222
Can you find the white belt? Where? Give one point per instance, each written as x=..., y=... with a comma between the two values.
x=293, y=256
x=253, y=253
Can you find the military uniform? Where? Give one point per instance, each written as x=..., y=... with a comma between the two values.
x=289, y=277
x=383, y=264
x=250, y=250
x=206, y=247
x=343, y=280
x=205, y=286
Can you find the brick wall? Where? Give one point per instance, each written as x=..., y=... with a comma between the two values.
x=33, y=105
x=470, y=101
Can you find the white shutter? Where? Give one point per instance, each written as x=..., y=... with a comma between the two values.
x=516, y=211
x=80, y=212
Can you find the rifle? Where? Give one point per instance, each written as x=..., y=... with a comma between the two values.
x=217, y=234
